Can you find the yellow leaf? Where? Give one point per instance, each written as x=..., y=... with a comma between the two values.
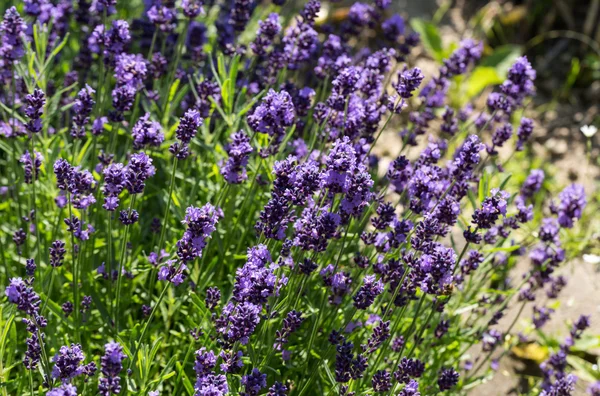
x=531, y=351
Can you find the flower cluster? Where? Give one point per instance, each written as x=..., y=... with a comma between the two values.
x=251, y=209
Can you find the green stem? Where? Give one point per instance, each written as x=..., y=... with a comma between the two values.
x=120, y=268
x=145, y=328
x=36, y=214
x=74, y=273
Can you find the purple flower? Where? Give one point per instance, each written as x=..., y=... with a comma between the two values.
x=131, y=70
x=158, y=66
x=524, y=132
x=68, y=363
x=83, y=108
x=23, y=296
x=186, y=130
x=147, y=133
x=491, y=339
x=290, y=324
x=344, y=360
x=275, y=113
x=594, y=389
x=310, y=11
x=331, y=59
x=19, y=238
x=239, y=321
x=79, y=184
x=347, y=81
x=63, y=390
x=255, y=281
x=213, y=298
x=409, y=369
x=519, y=82
x=299, y=44
x=500, y=136
x=240, y=14
x=447, y=379
x=393, y=27
x=188, y=126
x=211, y=384
x=435, y=268
x=30, y=267
x=408, y=81
x=234, y=170
x=12, y=30
x=359, y=193
x=33, y=350
x=57, y=253
x=278, y=389
x=315, y=228
x=572, y=203
x=200, y=222
x=541, y=316
x=268, y=29
x=114, y=183
x=114, y=40
x=137, y=171
x=381, y=381
x=34, y=110
x=192, y=8
x=563, y=386
x=253, y=383
x=533, y=183
x=491, y=209
x=170, y=272
x=111, y=365
x=163, y=18
x=468, y=53
x=205, y=362
x=367, y=293
x=128, y=218
x=31, y=166
x=122, y=100
x=471, y=262
x=340, y=284
x=340, y=165
x=12, y=129
x=411, y=389
x=380, y=334
x=67, y=308
x=360, y=14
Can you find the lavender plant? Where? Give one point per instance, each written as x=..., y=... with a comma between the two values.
x=205, y=209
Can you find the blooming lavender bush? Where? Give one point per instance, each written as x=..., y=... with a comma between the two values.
x=204, y=210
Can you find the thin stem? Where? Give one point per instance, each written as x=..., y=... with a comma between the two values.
x=36, y=214
x=489, y=355
x=145, y=328
x=120, y=268
x=74, y=271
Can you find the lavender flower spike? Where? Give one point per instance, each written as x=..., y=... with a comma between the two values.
x=111, y=365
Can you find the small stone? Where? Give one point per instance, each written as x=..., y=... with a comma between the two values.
x=551, y=115
x=557, y=146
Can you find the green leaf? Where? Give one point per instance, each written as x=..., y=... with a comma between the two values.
x=430, y=37
x=187, y=384
x=583, y=369
x=502, y=59
x=481, y=78
x=586, y=343
x=57, y=311
x=226, y=94
x=506, y=249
